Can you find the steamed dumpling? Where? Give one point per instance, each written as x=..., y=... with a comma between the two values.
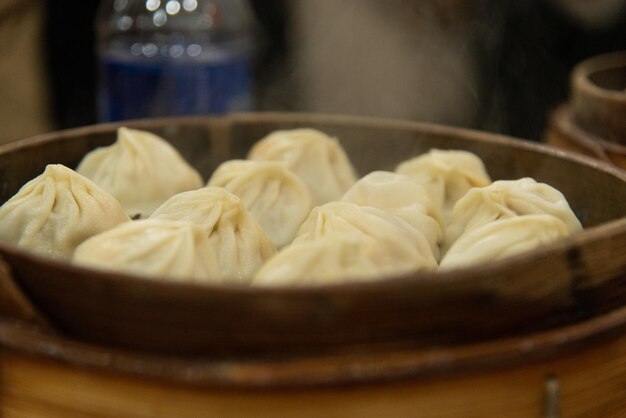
x=56, y=211
x=179, y=251
x=506, y=199
x=275, y=197
x=446, y=175
x=391, y=243
x=238, y=241
x=399, y=195
x=141, y=170
x=503, y=238
x=321, y=261
x=316, y=158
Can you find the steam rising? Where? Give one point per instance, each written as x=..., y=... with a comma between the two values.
x=399, y=59
x=487, y=64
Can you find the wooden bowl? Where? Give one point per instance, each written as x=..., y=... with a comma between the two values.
x=560, y=284
x=593, y=121
x=598, y=96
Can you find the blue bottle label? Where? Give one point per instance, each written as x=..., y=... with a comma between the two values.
x=135, y=87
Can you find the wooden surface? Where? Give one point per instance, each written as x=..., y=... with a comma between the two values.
x=591, y=382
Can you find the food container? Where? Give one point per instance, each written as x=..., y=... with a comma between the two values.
x=539, y=334
x=593, y=121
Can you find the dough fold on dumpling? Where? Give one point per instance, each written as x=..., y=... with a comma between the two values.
x=502, y=238
x=322, y=261
x=315, y=157
x=235, y=237
x=391, y=243
x=446, y=174
x=506, y=199
x=401, y=196
x=141, y=170
x=56, y=211
x=174, y=250
x=275, y=196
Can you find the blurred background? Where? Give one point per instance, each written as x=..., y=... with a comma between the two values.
x=495, y=65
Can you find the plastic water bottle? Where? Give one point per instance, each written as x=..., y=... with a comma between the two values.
x=174, y=57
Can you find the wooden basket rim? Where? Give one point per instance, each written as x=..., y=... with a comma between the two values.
x=613, y=227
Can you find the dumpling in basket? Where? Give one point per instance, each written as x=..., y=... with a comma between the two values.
x=56, y=211
x=446, y=175
x=239, y=243
x=322, y=261
x=389, y=242
x=275, y=197
x=178, y=251
x=502, y=238
x=316, y=158
x=399, y=195
x=141, y=170
x=506, y=199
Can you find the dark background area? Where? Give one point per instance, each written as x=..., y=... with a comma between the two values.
x=524, y=70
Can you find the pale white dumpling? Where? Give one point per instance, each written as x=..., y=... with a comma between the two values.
x=505, y=199
x=141, y=170
x=321, y=261
x=206, y=206
x=275, y=197
x=391, y=243
x=503, y=238
x=401, y=196
x=56, y=211
x=446, y=174
x=240, y=244
x=315, y=157
x=173, y=250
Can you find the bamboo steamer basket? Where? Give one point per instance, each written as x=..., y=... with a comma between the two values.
x=539, y=334
x=593, y=121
